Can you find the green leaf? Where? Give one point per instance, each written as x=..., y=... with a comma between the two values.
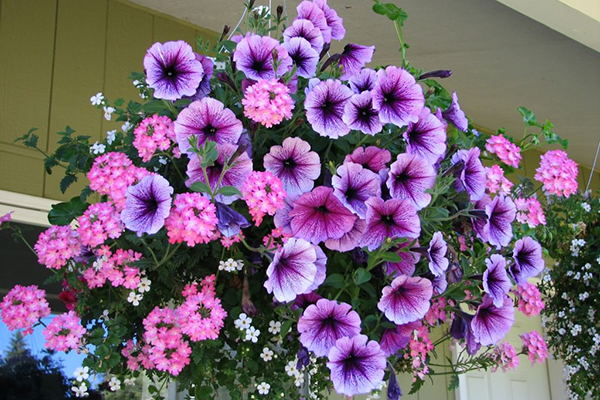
x=67, y=181
x=229, y=45
x=182, y=102
x=153, y=106
x=361, y=276
x=285, y=327
x=390, y=256
x=528, y=116
x=335, y=280
x=119, y=102
x=379, y=8
x=49, y=163
x=229, y=191
x=64, y=213
x=203, y=392
x=200, y=187
x=454, y=382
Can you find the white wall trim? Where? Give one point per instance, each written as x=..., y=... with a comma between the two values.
x=27, y=209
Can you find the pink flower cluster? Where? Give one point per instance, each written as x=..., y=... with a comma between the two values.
x=536, y=347
x=558, y=173
x=496, y=181
x=64, y=332
x=228, y=241
x=193, y=220
x=506, y=357
x=276, y=239
x=509, y=153
x=112, y=173
x=530, y=212
x=264, y=194
x=530, y=300
x=437, y=311
x=99, y=222
x=57, y=245
x=201, y=315
x=420, y=344
x=23, y=306
x=6, y=218
x=114, y=268
x=155, y=132
x=268, y=102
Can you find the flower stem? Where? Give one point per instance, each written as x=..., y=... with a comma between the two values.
x=398, y=29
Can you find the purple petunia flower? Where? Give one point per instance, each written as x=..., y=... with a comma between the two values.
x=472, y=176
x=363, y=81
x=495, y=279
x=354, y=58
x=360, y=115
x=292, y=270
x=204, y=88
x=480, y=224
x=528, y=260
x=406, y=300
x=455, y=115
x=321, y=274
x=325, y=105
x=492, y=323
x=438, y=263
x=409, y=178
x=230, y=221
x=318, y=215
x=147, y=205
x=333, y=20
x=356, y=366
x=395, y=339
x=350, y=240
x=501, y=213
x=397, y=96
x=353, y=185
x=393, y=218
x=393, y=392
x=311, y=11
x=235, y=176
x=282, y=218
x=305, y=29
x=303, y=55
x=254, y=57
x=294, y=164
x=172, y=70
x=440, y=284
x=372, y=158
x=207, y=119
x=323, y=323
x=408, y=260
x=426, y=137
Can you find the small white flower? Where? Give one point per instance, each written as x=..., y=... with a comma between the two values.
x=81, y=373
x=144, y=285
x=290, y=368
x=163, y=160
x=274, y=327
x=111, y=136
x=136, y=83
x=126, y=126
x=562, y=331
x=586, y=207
x=108, y=111
x=81, y=390
x=105, y=316
x=129, y=381
x=135, y=298
x=243, y=322
x=252, y=334
x=298, y=379
x=263, y=388
x=97, y=148
x=267, y=354
x=115, y=384
x=96, y=101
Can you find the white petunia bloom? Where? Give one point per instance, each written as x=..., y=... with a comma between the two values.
x=267, y=354
x=97, y=148
x=252, y=334
x=111, y=136
x=81, y=373
x=586, y=207
x=243, y=322
x=274, y=327
x=108, y=112
x=135, y=298
x=290, y=368
x=263, y=388
x=115, y=384
x=96, y=101
x=144, y=285
x=126, y=126
x=81, y=390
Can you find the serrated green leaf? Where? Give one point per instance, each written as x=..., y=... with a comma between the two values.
x=528, y=116
x=64, y=213
x=67, y=181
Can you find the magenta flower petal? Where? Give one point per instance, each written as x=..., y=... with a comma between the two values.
x=305, y=29
x=492, y=323
x=323, y=323
x=303, y=55
x=353, y=185
x=350, y=240
x=172, y=70
x=372, y=158
x=390, y=219
x=528, y=260
x=147, y=205
x=455, y=115
x=495, y=279
x=394, y=340
x=356, y=366
x=207, y=119
x=360, y=115
x=365, y=80
x=354, y=58
x=397, y=96
x=426, y=137
x=204, y=88
x=294, y=164
x=292, y=271
x=480, y=225
x=318, y=215
x=501, y=213
x=408, y=260
x=406, y=300
x=409, y=178
x=325, y=105
x=333, y=20
x=254, y=57
x=311, y=11
x=282, y=218
x=472, y=176
x=438, y=263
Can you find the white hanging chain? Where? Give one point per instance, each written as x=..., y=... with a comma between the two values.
x=593, y=168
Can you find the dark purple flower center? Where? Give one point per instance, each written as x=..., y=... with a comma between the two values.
x=289, y=163
x=402, y=177
x=328, y=108
x=258, y=65
x=209, y=130
x=523, y=256
x=353, y=363
x=351, y=193
x=322, y=209
x=390, y=98
x=170, y=71
x=388, y=220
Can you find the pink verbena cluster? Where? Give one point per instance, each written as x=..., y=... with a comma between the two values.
x=268, y=102
x=193, y=220
x=496, y=181
x=437, y=311
x=23, y=306
x=114, y=268
x=536, y=347
x=168, y=349
x=530, y=212
x=264, y=194
x=155, y=132
x=530, y=300
x=228, y=241
x=57, y=245
x=276, y=239
x=419, y=345
x=98, y=223
x=111, y=175
x=558, y=173
x=506, y=357
x=509, y=153
x=201, y=315
x=64, y=332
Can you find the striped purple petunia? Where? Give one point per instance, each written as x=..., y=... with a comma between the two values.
x=305, y=29
x=304, y=56
x=471, y=176
x=495, y=279
x=426, y=137
x=409, y=178
x=325, y=105
x=360, y=115
x=393, y=218
x=353, y=185
x=528, y=258
x=254, y=57
x=490, y=324
x=438, y=263
x=147, y=205
x=397, y=96
x=354, y=58
x=407, y=299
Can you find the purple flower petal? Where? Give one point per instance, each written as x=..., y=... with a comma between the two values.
x=495, y=279
x=426, y=137
x=356, y=366
x=455, y=115
x=354, y=58
x=472, y=176
x=440, y=284
x=394, y=340
x=406, y=300
x=501, y=213
x=282, y=218
x=480, y=225
x=492, y=323
x=397, y=96
x=321, y=274
x=311, y=11
x=325, y=105
x=363, y=81
x=318, y=215
x=360, y=115
x=147, y=205
x=372, y=158
x=303, y=55
x=323, y=323
x=254, y=57
x=528, y=260
x=350, y=240
x=230, y=221
x=409, y=178
x=353, y=185
x=303, y=28
x=390, y=219
x=438, y=263
x=333, y=20
x=204, y=88
x=408, y=260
